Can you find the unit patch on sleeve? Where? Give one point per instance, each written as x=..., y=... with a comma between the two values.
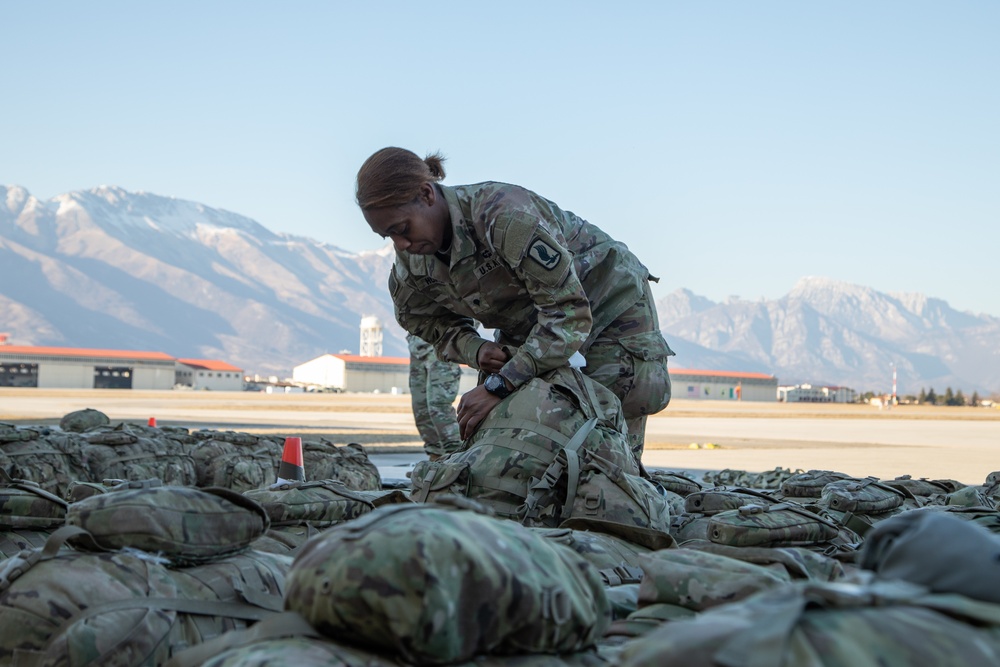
x=544, y=254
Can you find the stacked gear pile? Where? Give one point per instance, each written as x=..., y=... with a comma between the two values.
x=92, y=450
x=542, y=542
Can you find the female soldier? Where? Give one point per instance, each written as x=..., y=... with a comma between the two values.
x=547, y=281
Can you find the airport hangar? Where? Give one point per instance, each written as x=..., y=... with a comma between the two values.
x=82, y=368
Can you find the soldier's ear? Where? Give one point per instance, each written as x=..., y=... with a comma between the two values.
x=428, y=194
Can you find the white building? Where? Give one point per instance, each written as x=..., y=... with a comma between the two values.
x=722, y=385
x=83, y=368
x=208, y=374
x=355, y=373
x=806, y=393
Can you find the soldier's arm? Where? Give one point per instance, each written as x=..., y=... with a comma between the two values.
x=454, y=337
x=541, y=259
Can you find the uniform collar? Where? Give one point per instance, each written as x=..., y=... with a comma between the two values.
x=463, y=241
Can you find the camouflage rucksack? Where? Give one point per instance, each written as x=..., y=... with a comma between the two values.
x=348, y=464
x=288, y=639
x=698, y=580
x=444, y=584
x=184, y=525
x=25, y=505
x=616, y=560
x=319, y=504
x=237, y=466
x=527, y=464
x=120, y=609
x=810, y=484
x=132, y=452
x=677, y=482
x=521, y=437
x=720, y=499
x=869, y=623
x=83, y=420
x=781, y=525
x=52, y=459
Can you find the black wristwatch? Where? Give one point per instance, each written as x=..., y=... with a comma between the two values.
x=496, y=385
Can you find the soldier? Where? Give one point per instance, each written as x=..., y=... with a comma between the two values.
x=544, y=279
x=433, y=387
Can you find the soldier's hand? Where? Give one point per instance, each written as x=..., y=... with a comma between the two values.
x=473, y=408
x=491, y=357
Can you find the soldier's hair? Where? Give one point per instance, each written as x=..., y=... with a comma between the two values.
x=393, y=176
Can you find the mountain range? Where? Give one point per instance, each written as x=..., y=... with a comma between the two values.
x=107, y=268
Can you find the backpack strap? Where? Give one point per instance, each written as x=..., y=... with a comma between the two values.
x=278, y=626
x=567, y=462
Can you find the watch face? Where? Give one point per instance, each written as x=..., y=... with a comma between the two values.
x=495, y=385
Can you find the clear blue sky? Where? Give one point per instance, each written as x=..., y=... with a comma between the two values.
x=735, y=146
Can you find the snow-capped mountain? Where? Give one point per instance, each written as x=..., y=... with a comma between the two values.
x=106, y=268
x=829, y=332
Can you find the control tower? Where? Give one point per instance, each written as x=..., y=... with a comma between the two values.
x=371, y=336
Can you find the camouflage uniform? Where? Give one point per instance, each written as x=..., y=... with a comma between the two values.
x=548, y=282
x=433, y=387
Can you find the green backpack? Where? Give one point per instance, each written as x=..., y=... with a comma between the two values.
x=555, y=454
x=132, y=452
x=184, y=525
x=319, y=504
x=63, y=608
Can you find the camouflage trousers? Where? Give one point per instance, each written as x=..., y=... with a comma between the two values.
x=629, y=357
x=433, y=387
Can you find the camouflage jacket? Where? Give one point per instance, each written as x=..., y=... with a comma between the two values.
x=546, y=279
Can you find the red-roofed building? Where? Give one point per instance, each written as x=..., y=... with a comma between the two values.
x=352, y=372
x=723, y=385
x=84, y=368
x=209, y=374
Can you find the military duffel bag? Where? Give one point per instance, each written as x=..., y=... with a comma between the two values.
x=443, y=584
x=63, y=608
x=185, y=525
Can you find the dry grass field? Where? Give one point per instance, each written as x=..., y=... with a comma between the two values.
x=923, y=441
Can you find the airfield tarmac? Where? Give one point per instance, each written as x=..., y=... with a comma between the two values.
x=922, y=441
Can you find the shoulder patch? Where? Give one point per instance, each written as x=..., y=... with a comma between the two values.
x=544, y=254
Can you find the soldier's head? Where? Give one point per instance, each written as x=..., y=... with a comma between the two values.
x=397, y=194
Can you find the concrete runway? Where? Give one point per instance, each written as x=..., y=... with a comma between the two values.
x=934, y=442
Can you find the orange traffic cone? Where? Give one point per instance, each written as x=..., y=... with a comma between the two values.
x=152, y=421
x=291, y=468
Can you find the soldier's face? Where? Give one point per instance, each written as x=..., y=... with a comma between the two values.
x=419, y=228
